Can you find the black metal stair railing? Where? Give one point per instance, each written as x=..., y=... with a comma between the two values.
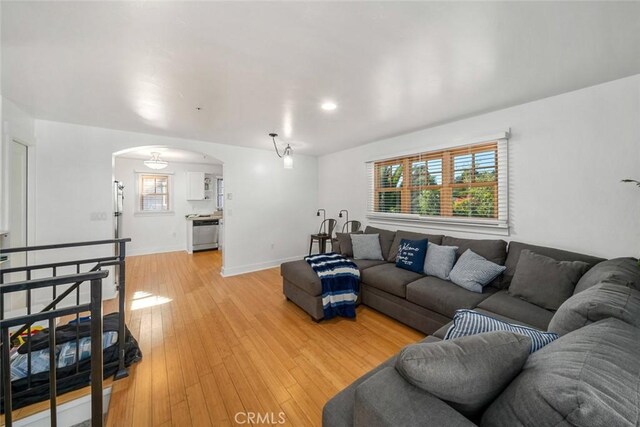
x=51, y=312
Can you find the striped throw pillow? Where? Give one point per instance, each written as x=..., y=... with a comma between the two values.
x=469, y=322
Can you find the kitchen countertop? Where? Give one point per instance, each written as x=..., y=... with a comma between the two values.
x=205, y=217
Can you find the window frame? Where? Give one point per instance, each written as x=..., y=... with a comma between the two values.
x=498, y=224
x=139, y=194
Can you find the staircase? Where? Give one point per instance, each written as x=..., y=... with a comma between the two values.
x=88, y=272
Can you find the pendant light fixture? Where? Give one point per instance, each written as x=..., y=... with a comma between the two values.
x=286, y=155
x=155, y=162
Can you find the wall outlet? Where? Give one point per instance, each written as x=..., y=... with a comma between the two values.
x=98, y=216
x=229, y=196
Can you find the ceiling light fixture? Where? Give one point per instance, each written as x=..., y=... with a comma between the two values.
x=155, y=162
x=286, y=155
x=328, y=106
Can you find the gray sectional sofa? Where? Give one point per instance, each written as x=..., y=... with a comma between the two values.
x=427, y=303
x=589, y=376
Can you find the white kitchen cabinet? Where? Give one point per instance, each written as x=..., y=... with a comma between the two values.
x=200, y=186
x=195, y=185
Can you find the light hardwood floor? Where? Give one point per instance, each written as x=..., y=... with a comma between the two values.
x=214, y=347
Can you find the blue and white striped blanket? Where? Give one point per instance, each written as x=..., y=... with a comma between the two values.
x=340, y=280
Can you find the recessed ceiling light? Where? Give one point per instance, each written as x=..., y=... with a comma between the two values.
x=328, y=106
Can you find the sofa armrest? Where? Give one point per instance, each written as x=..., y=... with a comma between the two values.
x=386, y=400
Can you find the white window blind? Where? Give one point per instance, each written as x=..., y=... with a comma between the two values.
x=154, y=192
x=464, y=184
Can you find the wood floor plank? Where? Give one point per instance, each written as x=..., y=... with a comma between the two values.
x=216, y=347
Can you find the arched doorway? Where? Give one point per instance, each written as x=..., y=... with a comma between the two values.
x=158, y=207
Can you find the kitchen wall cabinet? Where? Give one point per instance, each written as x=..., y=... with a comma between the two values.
x=200, y=186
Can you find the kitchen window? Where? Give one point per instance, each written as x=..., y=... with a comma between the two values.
x=154, y=193
x=458, y=185
x=220, y=193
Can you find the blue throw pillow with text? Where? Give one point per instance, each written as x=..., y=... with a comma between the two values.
x=411, y=254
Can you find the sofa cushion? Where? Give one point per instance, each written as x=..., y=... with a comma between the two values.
x=470, y=322
x=493, y=250
x=473, y=272
x=443, y=296
x=385, y=399
x=344, y=243
x=411, y=255
x=302, y=275
x=386, y=239
x=596, y=303
x=514, y=308
x=468, y=372
x=559, y=255
x=589, y=377
x=366, y=246
x=624, y=270
x=543, y=281
x=367, y=263
x=439, y=260
x=389, y=278
x=339, y=410
x=410, y=235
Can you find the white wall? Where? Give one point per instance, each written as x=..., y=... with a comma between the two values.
x=16, y=125
x=268, y=220
x=153, y=233
x=567, y=155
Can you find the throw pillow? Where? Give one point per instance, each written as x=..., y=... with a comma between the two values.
x=474, y=272
x=543, y=281
x=366, y=246
x=410, y=235
x=469, y=372
x=439, y=260
x=344, y=242
x=411, y=254
x=469, y=322
x=596, y=303
x=386, y=239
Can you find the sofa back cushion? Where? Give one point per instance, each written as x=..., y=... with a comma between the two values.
x=410, y=235
x=386, y=239
x=545, y=282
x=559, y=255
x=493, y=250
x=344, y=246
x=590, y=376
x=622, y=270
x=606, y=299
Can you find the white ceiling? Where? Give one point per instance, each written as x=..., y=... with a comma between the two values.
x=170, y=155
x=260, y=67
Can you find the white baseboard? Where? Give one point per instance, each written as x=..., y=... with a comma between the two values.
x=249, y=268
x=69, y=414
x=149, y=251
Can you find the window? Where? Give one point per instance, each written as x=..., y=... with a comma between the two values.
x=154, y=193
x=461, y=184
x=220, y=193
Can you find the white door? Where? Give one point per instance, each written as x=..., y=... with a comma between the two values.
x=18, y=172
